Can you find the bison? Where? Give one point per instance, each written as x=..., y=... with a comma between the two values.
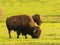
x=37, y=19
x=24, y=25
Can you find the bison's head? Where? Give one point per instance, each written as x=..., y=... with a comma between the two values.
x=36, y=32
x=37, y=19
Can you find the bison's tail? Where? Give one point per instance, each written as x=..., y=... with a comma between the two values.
x=7, y=22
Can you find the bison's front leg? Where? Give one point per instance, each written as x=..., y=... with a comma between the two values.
x=18, y=33
x=26, y=36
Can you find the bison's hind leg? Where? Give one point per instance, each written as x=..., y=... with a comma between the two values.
x=9, y=31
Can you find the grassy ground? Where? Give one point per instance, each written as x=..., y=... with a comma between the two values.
x=50, y=36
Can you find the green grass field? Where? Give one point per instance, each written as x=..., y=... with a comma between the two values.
x=50, y=36
x=42, y=7
x=50, y=31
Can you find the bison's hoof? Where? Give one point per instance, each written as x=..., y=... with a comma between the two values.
x=10, y=38
x=25, y=37
x=17, y=37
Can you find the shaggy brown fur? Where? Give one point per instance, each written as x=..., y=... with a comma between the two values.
x=23, y=24
x=37, y=19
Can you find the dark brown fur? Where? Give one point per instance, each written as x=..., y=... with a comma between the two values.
x=23, y=24
x=37, y=19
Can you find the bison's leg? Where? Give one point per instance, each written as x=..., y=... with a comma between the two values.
x=26, y=36
x=9, y=33
x=18, y=33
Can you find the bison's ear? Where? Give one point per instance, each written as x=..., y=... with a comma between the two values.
x=34, y=30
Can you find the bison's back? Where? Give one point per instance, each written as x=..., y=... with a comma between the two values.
x=19, y=21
